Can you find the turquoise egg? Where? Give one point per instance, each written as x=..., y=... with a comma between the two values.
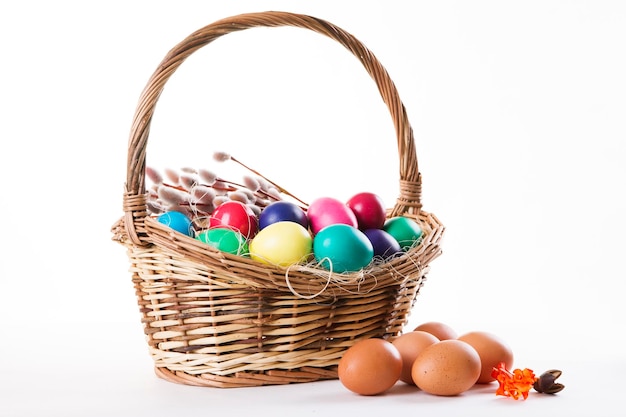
x=177, y=221
x=224, y=239
x=342, y=248
x=405, y=230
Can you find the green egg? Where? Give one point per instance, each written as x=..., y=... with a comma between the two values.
x=405, y=230
x=225, y=239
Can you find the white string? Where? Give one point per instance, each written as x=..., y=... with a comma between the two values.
x=310, y=297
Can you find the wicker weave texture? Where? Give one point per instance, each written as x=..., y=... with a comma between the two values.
x=221, y=320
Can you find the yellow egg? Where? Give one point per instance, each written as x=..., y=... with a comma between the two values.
x=283, y=243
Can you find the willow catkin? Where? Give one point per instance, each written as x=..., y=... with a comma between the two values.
x=171, y=175
x=238, y=196
x=221, y=156
x=273, y=192
x=189, y=170
x=264, y=184
x=207, y=177
x=219, y=200
x=249, y=194
x=172, y=196
x=154, y=175
x=155, y=207
x=222, y=187
x=203, y=194
x=251, y=183
x=187, y=181
x=255, y=209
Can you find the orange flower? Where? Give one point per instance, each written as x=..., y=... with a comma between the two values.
x=513, y=384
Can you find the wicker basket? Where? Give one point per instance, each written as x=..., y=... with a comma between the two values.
x=221, y=320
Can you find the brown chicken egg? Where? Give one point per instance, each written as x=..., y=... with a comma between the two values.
x=491, y=349
x=440, y=330
x=447, y=368
x=370, y=366
x=410, y=345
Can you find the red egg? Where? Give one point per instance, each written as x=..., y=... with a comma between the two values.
x=369, y=210
x=325, y=211
x=237, y=216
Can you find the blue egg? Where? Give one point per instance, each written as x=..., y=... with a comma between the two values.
x=283, y=211
x=342, y=248
x=177, y=221
x=385, y=245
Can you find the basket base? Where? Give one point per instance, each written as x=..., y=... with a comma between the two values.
x=248, y=379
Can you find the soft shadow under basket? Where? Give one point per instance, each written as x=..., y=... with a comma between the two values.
x=222, y=320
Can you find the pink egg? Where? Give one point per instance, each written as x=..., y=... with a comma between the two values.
x=325, y=211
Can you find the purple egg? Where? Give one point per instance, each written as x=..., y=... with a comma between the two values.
x=283, y=211
x=385, y=245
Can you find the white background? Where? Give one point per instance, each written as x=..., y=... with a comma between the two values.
x=518, y=111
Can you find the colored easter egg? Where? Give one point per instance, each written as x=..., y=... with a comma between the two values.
x=283, y=243
x=385, y=246
x=342, y=248
x=237, y=216
x=280, y=211
x=177, y=221
x=405, y=230
x=325, y=211
x=369, y=210
x=224, y=239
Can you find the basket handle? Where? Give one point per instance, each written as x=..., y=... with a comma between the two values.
x=135, y=195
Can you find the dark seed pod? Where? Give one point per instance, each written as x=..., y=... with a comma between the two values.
x=546, y=382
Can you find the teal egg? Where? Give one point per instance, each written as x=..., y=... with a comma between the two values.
x=342, y=248
x=224, y=239
x=405, y=230
x=177, y=221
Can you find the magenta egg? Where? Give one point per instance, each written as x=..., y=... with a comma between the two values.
x=325, y=211
x=369, y=210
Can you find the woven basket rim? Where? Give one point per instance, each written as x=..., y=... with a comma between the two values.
x=316, y=281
